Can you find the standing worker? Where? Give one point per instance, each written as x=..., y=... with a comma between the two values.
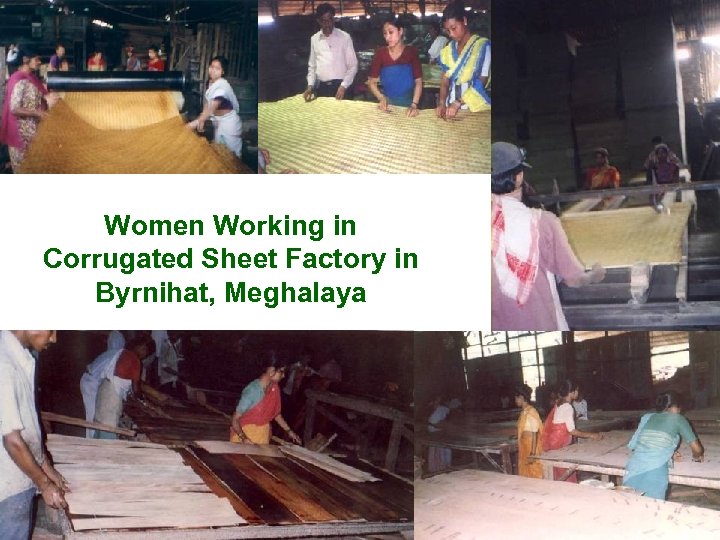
x=108, y=380
x=529, y=434
x=529, y=248
x=602, y=175
x=654, y=447
x=332, y=65
x=560, y=427
x=25, y=468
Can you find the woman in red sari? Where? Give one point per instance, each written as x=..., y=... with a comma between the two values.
x=260, y=404
x=560, y=428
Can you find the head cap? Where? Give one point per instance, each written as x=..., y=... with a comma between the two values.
x=506, y=157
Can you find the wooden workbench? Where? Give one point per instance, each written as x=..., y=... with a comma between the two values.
x=609, y=456
x=133, y=490
x=477, y=504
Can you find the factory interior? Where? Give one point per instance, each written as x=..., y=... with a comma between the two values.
x=362, y=137
x=154, y=60
x=592, y=90
x=471, y=429
x=167, y=468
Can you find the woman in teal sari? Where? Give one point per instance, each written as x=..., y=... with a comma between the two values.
x=654, y=447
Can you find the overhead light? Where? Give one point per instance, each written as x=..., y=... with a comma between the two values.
x=102, y=24
x=682, y=54
x=265, y=19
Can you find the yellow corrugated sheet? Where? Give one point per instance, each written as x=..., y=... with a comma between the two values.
x=331, y=136
x=121, y=132
x=621, y=238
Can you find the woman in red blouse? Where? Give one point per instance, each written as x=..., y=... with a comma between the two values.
x=397, y=68
x=96, y=62
x=155, y=63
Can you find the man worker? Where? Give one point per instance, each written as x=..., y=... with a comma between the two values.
x=108, y=380
x=439, y=41
x=529, y=249
x=25, y=468
x=333, y=64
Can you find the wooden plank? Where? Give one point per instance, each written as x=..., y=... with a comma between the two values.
x=328, y=463
x=304, y=508
x=261, y=503
x=300, y=482
x=398, y=494
x=69, y=420
x=220, y=490
x=349, y=493
x=314, y=530
x=226, y=447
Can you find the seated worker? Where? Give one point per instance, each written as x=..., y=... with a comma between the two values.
x=465, y=63
x=602, y=175
x=662, y=167
x=398, y=68
x=529, y=248
x=652, y=158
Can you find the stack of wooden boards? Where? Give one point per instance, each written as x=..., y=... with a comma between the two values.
x=356, y=137
x=267, y=485
x=128, y=485
x=477, y=504
x=168, y=421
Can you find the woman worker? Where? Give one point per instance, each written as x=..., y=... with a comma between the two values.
x=222, y=107
x=530, y=432
x=560, y=428
x=260, y=404
x=398, y=68
x=26, y=104
x=654, y=445
x=465, y=63
x=529, y=248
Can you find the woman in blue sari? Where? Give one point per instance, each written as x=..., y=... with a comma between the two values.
x=397, y=67
x=654, y=447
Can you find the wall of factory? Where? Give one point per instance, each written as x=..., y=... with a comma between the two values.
x=615, y=91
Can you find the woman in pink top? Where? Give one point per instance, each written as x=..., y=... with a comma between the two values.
x=529, y=249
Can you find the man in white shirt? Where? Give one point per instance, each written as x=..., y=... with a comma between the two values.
x=25, y=468
x=439, y=41
x=333, y=64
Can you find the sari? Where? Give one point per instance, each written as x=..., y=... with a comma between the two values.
x=602, y=178
x=24, y=90
x=557, y=436
x=464, y=70
x=258, y=408
x=525, y=437
x=649, y=464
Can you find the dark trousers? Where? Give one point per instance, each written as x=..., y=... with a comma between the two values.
x=330, y=88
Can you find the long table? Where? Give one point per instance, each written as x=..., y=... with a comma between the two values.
x=609, y=456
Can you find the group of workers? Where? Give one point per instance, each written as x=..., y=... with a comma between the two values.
x=26, y=469
x=396, y=77
x=654, y=445
x=662, y=166
x=28, y=101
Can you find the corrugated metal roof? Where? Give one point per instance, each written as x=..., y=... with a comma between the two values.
x=354, y=8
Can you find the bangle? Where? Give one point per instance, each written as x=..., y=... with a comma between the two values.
x=413, y=104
